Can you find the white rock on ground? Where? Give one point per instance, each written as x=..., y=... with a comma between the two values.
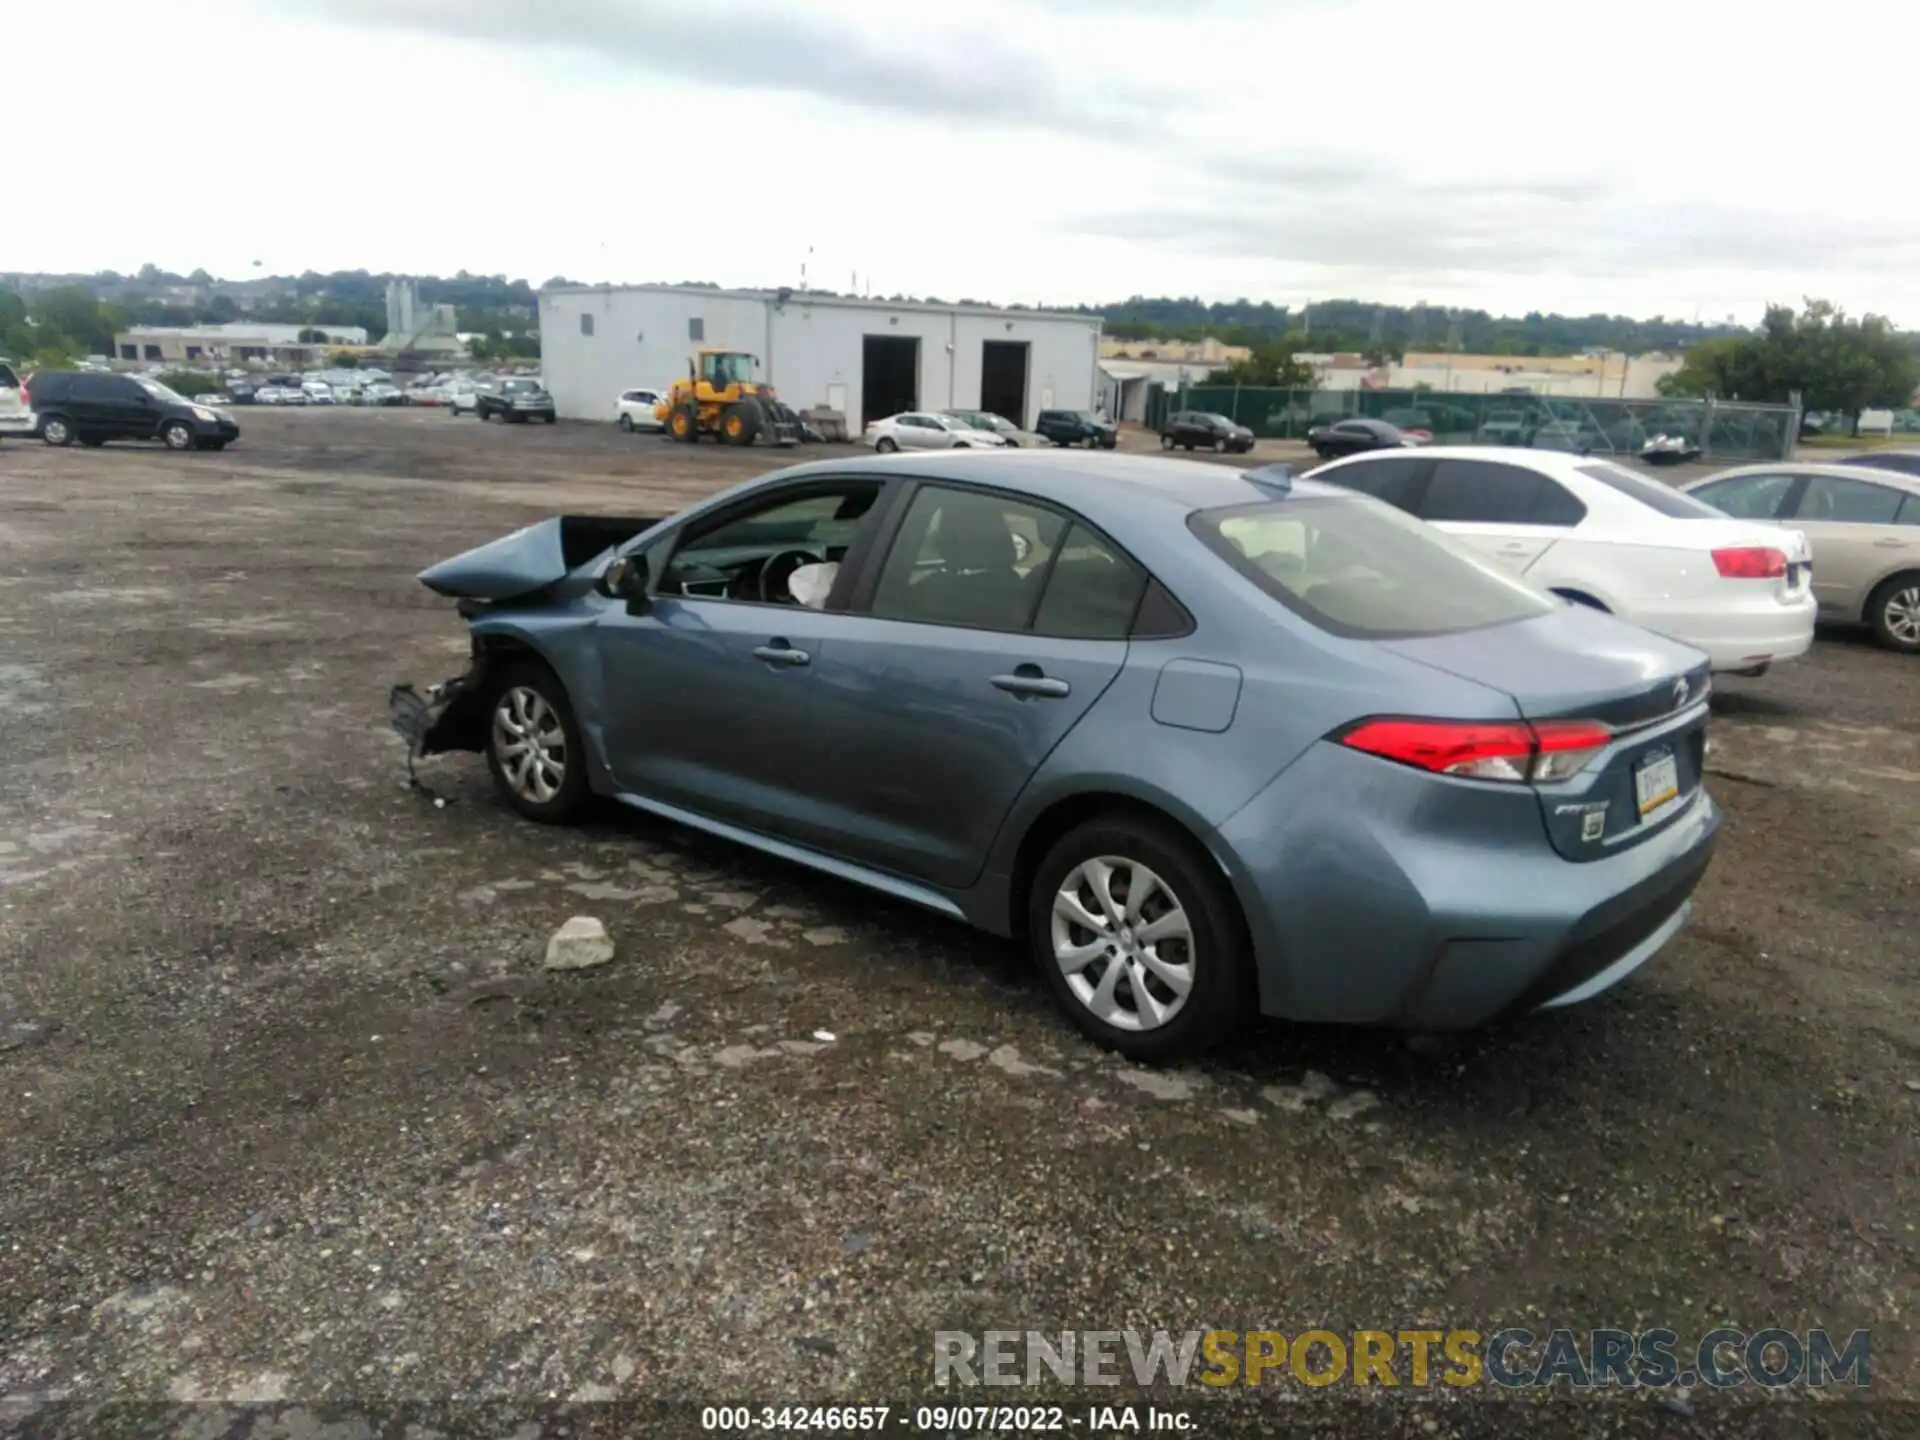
x=579, y=944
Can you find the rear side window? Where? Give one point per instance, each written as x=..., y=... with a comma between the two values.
x=1357, y=568
x=1662, y=499
x=1092, y=592
x=1849, y=502
x=1391, y=478
x=1488, y=493
x=1746, y=497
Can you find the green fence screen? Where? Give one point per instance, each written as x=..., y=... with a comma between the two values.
x=1722, y=429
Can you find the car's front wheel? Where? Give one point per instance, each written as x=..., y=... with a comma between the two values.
x=177, y=435
x=533, y=745
x=1219, y=447
x=1894, y=613
x=1166, y=442
x=626, y=422
x=1140, y=938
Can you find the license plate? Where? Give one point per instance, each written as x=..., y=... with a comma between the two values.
x=1656, y=782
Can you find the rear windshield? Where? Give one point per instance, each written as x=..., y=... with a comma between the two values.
x=1357, y=567
x=1675, y=504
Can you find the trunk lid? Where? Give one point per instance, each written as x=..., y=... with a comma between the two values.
x=1579, y=664
x=529, y=560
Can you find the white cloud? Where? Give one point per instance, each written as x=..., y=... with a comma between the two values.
x=1648, y=157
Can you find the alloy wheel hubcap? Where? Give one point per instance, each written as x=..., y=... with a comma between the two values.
x=1903, y=615
x=1124, y=942
x=531, y=744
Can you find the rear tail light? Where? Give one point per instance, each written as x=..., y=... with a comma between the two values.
x=1513, y=751
x=26, y=400
x=1751, y=562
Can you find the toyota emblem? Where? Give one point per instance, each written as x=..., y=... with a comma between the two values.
x=1679, y=692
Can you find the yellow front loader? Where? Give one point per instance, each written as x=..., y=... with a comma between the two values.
x=721, y=398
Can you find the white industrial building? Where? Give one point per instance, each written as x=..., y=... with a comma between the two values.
x=866, y=358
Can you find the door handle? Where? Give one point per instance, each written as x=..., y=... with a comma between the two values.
x=1032, y=686
x=1891, y=543
x=781, y=655
x=1515, y=547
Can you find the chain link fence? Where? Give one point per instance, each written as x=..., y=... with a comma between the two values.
x=1722, y=429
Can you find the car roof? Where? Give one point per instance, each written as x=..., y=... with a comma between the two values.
x=1088, y=481
x=1899, y=479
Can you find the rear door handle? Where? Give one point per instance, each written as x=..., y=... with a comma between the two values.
x=1039, y=687
x=781, y=655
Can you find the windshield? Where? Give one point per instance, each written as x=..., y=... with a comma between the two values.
x=1357, y=567
x=727, y=369
x=159, y=391
x=521, y=387
x=1674, y=504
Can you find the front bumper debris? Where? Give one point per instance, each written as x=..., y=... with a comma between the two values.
x=448, y=717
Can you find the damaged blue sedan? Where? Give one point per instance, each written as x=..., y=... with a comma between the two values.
x=1206, y=742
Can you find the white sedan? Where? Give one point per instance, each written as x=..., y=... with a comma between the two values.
x=634, y=410
x=922, y=430
x=1598, y=533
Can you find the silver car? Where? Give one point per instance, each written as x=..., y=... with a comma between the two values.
x=1864, y=529
x=924, y=430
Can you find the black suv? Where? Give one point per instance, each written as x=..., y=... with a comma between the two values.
x=514, y=400
x=1074, y=427
x=1190, y=428
x=93, y=408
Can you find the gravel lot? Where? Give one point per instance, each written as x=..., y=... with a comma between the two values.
x=292, y=1112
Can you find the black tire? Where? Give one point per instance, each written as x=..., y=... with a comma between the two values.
x=1902, y=590
x=1109, y=442
x=482, y=414
x=57, y=430
x=1221, y=992
x=1219, y=447
x=571, y=795
x=1166, y=442
x=740, y=422
x=689, y=420
x=548, y=418
x=885, y=445
x=93, y=442
x=213, y=445
x=626, y=422
x=178, y=435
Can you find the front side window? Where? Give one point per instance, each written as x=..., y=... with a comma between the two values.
x=750, y=554
x=1746, y=497
x=1358, y=568
x=1849, y=502
x=967, y=558
x=1388, y=477
x=158, y=391
x=1481, y=492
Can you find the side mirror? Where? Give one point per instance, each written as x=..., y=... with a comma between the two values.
x=625, y=578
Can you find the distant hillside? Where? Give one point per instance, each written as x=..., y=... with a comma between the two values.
x=494, y=303
x=1363, y=325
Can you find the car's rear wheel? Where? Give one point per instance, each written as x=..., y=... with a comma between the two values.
x=177, y=435
x=1140, y=938
x=1894, y=613
x=93, y=442
x=533, y=745
x=886, y=445
x=56, y=431
x=1166, y=442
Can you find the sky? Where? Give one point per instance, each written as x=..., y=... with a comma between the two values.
x=1641, y=157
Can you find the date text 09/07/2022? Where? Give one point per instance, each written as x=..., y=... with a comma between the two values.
x=944, y=1419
